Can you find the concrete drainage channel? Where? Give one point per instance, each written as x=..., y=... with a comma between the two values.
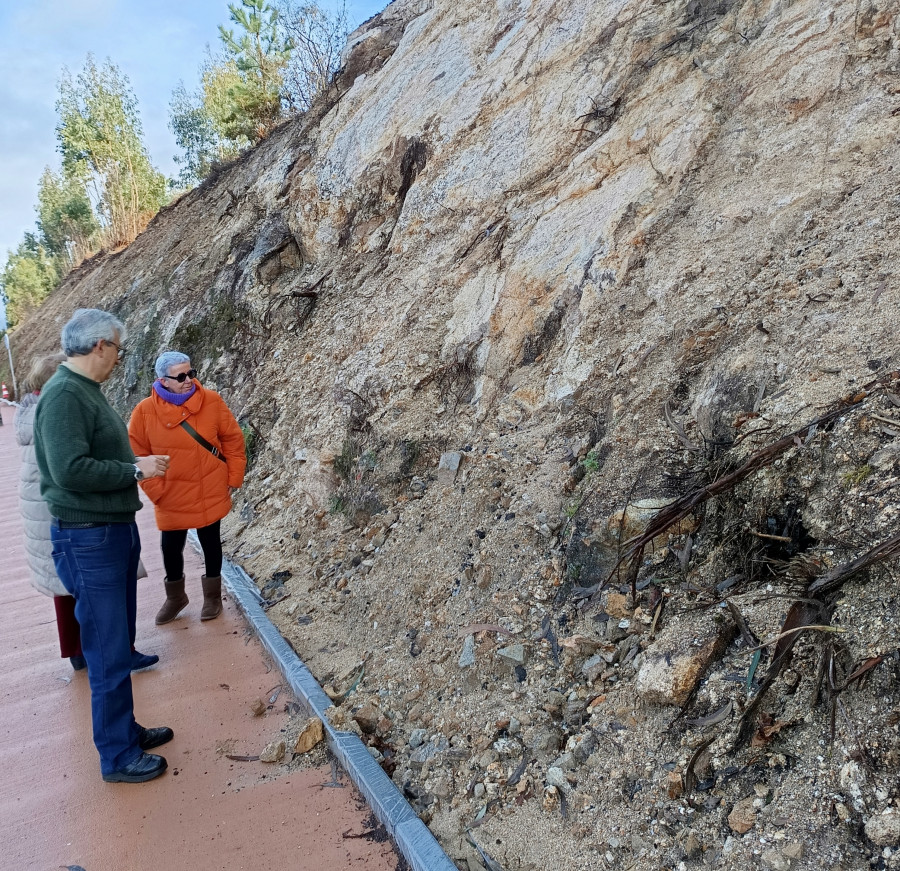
x=412, y=837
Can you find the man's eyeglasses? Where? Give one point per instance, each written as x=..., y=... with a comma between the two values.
x=121, y=350
x=182, y=376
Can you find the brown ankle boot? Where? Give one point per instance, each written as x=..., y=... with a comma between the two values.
x=176, y=600
x=212, y=597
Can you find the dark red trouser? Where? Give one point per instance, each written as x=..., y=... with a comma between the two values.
x=67, y=626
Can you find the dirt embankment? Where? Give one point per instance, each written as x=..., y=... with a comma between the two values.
x=531, y=273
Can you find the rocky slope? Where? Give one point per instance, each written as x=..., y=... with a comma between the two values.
x=531, y=271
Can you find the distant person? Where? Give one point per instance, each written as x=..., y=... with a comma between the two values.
x=89, y=480
x=36, y=518
x=194, y=427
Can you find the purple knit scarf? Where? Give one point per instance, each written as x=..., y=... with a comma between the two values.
x=174, y=398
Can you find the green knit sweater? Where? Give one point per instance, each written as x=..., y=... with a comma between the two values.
x=83, y=453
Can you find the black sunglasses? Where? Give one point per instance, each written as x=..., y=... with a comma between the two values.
x=180, y=378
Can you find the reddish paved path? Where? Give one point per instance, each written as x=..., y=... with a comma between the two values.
x=206, y=812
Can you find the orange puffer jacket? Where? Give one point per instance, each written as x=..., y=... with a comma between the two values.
x=194, y=491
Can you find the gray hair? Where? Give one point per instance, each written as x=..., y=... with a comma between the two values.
x=87, y=327
x=167, y=360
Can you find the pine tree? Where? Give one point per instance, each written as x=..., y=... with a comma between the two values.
x=244, y=93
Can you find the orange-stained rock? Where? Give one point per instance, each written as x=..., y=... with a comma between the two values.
x=743, y=816
x=313, y=732
x=679, y=658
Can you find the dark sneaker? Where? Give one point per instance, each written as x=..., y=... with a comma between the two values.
x=145, y=767
x=150, y=738
x=78, y=663
x=142, y=660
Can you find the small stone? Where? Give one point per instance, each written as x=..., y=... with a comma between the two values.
x=467, y=657
x=367, y=717
x=593, y=667
x=556, y=777
x=428, y=751
x=743, y=816
x=478, y=790
x=417, y=737
x=793, y=851
x=674, y=785
x=448, y=466
x=774, y=860
x=514, y=654
x=258, y=708
x=312, y=733
x=565, y=762
x=692, y=846
x=274, y=752
x=670, y=669
x=617, y=605
x=884, y=828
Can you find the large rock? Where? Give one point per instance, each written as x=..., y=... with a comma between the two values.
x=884, y=828
x=674, y=664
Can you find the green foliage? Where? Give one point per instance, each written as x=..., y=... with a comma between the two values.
x=856, y=476
x=105, y=194
x=410, y=450
x=66, y=221
x=244, y=93
x=100, y=139
x=251, y=442
x=345, y=462
x=202, y=147
x=591, y=462
x=336, y=505
x=276, y=58
x=27, y=279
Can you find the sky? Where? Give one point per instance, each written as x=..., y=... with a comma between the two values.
x=155, y=43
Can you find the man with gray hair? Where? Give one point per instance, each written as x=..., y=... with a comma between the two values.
x=89, y=478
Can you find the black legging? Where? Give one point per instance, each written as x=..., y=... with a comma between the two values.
x=172, y=542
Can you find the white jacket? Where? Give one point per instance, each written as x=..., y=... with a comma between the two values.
x=35, y=513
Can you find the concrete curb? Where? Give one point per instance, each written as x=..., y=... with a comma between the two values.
x=412, y=837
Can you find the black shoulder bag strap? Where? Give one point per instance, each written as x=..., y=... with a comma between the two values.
x=201, y=441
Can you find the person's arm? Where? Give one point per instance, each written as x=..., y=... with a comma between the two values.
x=233, y=450
x=152, y=485
x=63, y=428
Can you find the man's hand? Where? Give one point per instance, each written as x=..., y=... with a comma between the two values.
x=153, y=466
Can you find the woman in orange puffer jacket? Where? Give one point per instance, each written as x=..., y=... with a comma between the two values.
x=197, y=430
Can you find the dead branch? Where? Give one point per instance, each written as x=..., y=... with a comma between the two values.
x=680, y=508
x=678, y=429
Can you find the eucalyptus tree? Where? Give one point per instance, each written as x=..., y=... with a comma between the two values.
x=29, y=275
x=101, y=141
x=69, y=229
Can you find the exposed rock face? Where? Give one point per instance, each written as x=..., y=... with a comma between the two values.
x=594, y=252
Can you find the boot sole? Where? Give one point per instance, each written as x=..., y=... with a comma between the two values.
x=170, y=619
x=117, y=777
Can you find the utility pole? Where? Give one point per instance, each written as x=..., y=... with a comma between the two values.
x=12, y=371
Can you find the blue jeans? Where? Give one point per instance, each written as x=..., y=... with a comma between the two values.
x=98, y=566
